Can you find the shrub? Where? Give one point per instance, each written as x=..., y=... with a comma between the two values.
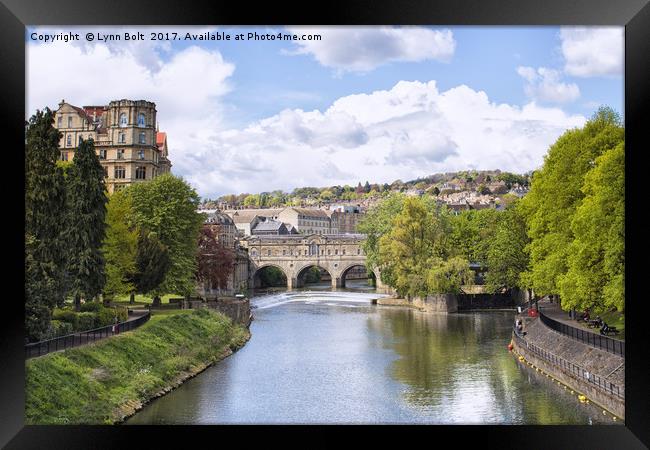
x=65, y=315
x=59, y=328
x=106, y=316
x=86, y=321
x=91, y=307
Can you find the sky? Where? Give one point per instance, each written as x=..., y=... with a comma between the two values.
x=361, y=104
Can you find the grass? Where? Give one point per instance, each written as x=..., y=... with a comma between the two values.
x=142, y=300
x=611, y=318
x=91, y=384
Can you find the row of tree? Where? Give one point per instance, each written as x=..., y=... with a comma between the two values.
x=566, y=237
x=80, y=245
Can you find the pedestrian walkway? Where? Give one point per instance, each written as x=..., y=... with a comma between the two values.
x=555, y=312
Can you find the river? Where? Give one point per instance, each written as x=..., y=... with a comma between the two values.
x=333, y=357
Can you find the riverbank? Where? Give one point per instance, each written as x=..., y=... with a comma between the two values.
x=107, y=382
x=596, y=375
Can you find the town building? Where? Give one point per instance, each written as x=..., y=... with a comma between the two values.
x=269, y=227
x=125, y=135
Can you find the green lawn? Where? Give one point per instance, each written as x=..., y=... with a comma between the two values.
x=148, y=300
x=613, y=319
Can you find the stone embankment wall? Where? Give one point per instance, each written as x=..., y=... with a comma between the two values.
x=451, y=303
x=239, y=311
x=591, y=362
x=467, y=302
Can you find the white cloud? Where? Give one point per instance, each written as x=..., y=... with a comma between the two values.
x=409, y=131
x=361, y=49
x=545, y=84
x=186, y=86
x=593, y=51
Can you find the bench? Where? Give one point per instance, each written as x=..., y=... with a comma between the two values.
x=609, y=330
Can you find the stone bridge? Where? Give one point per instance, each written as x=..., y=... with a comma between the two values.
x=295, y=254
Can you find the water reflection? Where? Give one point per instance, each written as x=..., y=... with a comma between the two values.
x=333, y=357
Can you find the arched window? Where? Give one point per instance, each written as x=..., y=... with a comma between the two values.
x=141, y=120
x=122, y=119
x=254, y=252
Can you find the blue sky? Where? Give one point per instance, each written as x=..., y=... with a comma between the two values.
x=252, y=116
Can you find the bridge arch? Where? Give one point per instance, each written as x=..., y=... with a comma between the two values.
x=258, y=280
x=349, y=268
x=301, y=273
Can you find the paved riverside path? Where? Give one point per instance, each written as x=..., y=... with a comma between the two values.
x=554, y=311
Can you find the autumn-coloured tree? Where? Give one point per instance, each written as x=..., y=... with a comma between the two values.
x=215, y=260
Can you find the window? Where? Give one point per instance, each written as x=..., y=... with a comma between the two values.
x=142, y=139
x=358, y=251
x=120, y=172
x=102, y=153
x=122, y=120
x=141, y=154
x=122, y=138
x=141, y=120
x=344, y=251
x=68, y=142
x=336, y=251
x=64, y=156
x=141, y=173
x=268, y=253
x=69, y=121
x=120, y=154
x=60, y=122
x=105, y=171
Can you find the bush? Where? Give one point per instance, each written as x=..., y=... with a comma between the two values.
x=65, y=315
x=86, y=321
x=91, y=307
x=106, y=316
x=58, y=328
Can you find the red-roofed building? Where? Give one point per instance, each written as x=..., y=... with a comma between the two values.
x=164, y=163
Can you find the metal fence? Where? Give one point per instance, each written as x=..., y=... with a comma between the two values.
x=573, y=369
x=595, y=340
x=85, y=337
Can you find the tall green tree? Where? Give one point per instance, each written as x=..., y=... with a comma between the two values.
x=86, y=224
x=167, y=206
x=44, y=223
x=120, y=246
x=418, y=234
x=152, y=263
x=596, y=268
x=507, y=258
x=556, y=193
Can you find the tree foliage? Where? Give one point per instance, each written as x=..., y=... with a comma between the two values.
x=167, y=206
x=120, y=246
x=556, y=193
x=215, y=260
x=44, y=223
x=86, y=226
x=596, y=266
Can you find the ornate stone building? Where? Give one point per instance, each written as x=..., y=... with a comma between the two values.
x=127, y=142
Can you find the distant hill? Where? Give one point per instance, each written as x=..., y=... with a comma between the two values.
x=482, y=182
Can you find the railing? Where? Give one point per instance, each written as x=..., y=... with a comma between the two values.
x=573, y=369
x=85, y=337
x=602, y=342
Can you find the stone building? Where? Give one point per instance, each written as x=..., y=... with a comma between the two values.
x=129, y=146
x=307, y=221
x=270, y=227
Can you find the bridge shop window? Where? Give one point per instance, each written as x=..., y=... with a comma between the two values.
x=268, y=253
x=254, y=252
x=336, y=251
x=329, y=252
x=358, y=251
x=344, y=251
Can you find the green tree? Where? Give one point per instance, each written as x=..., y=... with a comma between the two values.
x=596, y=265
x=167, y=206
x=86, y=224
x=506, y=256
x=120, y=246
x=215, y=260
x=152, y=264
x=252, y=200
x=44, y=224
x=417, y=235
x=556, y=193
x=446, y=276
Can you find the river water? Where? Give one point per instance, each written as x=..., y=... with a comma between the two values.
x=333, y=357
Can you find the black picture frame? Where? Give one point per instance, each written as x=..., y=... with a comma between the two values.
x=16, y=14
